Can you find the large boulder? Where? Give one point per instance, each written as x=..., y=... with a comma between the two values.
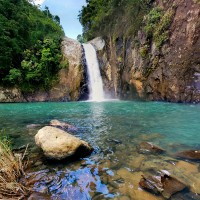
x=58, y=144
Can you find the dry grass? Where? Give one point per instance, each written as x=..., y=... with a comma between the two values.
x=11, y=170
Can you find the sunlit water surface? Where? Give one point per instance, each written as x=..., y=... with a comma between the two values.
x=114, y=129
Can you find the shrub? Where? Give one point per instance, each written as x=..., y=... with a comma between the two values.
x=157, y=25
x=143, y=51
x=153, y=19
x=161, y=33
x=40, y=65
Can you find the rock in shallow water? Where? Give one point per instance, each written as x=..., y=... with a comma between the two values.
x=148, y=147
x=163, y=184
x=152, y=184
x=63, y=125
x=58, y=144
x=191, y=154
x=171, y=186
x=39, y=196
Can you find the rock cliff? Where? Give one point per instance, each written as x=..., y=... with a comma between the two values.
x=165, y=66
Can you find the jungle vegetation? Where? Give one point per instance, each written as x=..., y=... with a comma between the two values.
x=112, y=17
x=30, y=52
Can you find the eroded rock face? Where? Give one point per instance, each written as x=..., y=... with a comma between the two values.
x=11, y=95
x=170, y=72
x=58, y=144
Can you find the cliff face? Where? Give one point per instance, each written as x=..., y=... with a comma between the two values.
x=68, y=86
x=163, y=67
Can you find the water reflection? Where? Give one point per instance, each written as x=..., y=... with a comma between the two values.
x=99, y=122
x=81, y=184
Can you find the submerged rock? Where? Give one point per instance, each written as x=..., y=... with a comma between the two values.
x=148, y=147
x=191, y=154
x=185, y=172
x=185, y=196
x=32, y=126
x=62, y=125
x=152, y=184
x=114, y=141
x=164, y=184
x=38, y=195
x=58, y=144
x=171, y=186
x=187, y=168
x=130, y=188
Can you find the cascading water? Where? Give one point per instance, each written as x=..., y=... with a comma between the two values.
x=94, y=76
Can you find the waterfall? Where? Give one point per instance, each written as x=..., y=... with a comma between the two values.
x=96, y=92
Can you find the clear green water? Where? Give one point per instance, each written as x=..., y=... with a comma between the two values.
x=174, y=127
x=121, y=120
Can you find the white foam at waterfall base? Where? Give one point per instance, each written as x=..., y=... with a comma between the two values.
x=96, y=92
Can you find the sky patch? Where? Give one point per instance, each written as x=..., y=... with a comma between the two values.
x=68, y=11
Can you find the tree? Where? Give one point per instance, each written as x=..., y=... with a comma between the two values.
x=81, y=38
x=30, y=44
x=103, y=17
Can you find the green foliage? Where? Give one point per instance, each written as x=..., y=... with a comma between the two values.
x=24, y=32
x=109, y=17
x=14, y=76
x=157, y=25
x=40, y=65
x=5, y=140
x=161, y=33
x=143, y=51
x=64, y=64
x=81, y=38
x=153, y=19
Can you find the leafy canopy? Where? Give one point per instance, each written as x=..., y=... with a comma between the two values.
x=30, y=39
x=112, y=17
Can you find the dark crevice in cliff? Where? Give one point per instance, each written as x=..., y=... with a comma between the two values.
x=84, y=90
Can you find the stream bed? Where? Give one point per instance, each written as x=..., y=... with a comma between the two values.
x=115, y=129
